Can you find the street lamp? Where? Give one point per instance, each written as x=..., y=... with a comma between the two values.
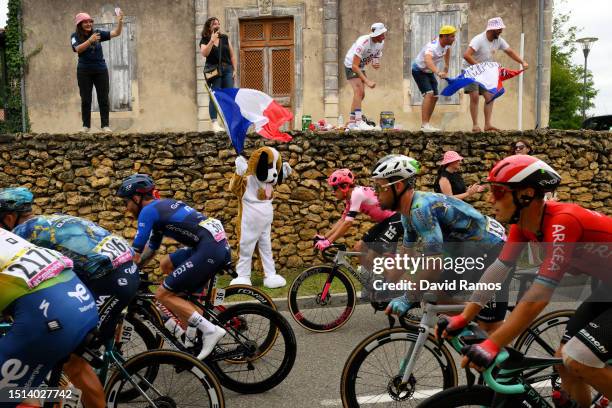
x=586, y=44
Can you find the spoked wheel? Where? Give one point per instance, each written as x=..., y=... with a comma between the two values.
x=257, y=353
x=463, y=396
x=245, y=293
x=371, y=375
x=322, y=300
x=181, y=381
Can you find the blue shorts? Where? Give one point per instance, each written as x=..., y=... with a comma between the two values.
x=113, y=292
x=193, y=267
x=48, y=326
x=426, y=81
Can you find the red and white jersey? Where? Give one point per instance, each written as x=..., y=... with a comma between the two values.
x=364, y=48
x=576, y=240
x=364, y=200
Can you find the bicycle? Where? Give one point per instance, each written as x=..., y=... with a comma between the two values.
x=334, y=303
x=507, y=385
x=259, y=340
x=155, y=378
x=417, y=351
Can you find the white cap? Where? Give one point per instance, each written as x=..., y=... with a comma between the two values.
x=378, y=29
x=495, y=23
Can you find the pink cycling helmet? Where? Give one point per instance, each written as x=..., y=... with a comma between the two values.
x=341, y=176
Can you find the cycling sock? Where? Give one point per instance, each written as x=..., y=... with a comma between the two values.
x=201, y=323
x=358, y=115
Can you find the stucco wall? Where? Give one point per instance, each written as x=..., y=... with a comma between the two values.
x=79, y=174
x=165, y=87
x=391, y=94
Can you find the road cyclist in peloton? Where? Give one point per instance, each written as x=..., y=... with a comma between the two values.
x=206, y=250
x=435, y=220
x=381, y=238
x=574, y=240
x=51, y=310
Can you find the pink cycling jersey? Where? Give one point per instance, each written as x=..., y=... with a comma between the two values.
x=364, y=200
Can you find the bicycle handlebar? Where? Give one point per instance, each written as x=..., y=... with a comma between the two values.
x=331, y=256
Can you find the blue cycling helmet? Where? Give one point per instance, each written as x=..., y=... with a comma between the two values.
x=16, y=199
x=136, y=184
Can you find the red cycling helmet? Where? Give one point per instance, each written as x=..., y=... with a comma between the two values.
x=341, y=176
x=525, y=171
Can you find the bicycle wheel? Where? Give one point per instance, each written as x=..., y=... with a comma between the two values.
x=182, y=381
x=371, y=373
x=256, y=355
x=317, y=312
x=463, y=396
x=246, y=293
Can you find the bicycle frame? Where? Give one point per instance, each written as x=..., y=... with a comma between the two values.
x=340, y=260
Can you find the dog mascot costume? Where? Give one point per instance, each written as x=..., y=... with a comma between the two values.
x=254, y=184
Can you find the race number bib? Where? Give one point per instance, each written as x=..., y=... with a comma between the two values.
x=495, y=228
x=35, y=265
x=116, y=249
x=215, y=228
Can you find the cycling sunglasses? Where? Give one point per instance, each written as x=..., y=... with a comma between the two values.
x=342, y=186
x=499, y=191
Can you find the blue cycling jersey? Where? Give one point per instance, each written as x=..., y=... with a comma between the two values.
x=438, y=218
x=177, y=220
x=94, y=251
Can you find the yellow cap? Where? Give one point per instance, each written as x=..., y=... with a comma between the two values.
x=447, y=29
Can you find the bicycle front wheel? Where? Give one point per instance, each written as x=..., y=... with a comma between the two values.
x=463, y=396
x=321, y=300
x=245, y=293
x=181, y=381
x=371, y=375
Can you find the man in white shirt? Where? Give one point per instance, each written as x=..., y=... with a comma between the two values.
x=482, y=48
x=368, y=48
x=425, y=67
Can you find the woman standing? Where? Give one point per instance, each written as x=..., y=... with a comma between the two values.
x=91, y=69
x=449, y=180
x=220, y=66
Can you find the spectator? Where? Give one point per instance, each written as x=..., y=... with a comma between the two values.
x=219, y=54
x=449, y=180
x=368, y=48
x=91, y=68
x=425, y=67
x=482, y=48
x=520, y=147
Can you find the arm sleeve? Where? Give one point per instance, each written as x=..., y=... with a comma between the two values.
x=495, y=273
x=428, y=228
x=74, y=42
x=503, y=44
x=146, y=220
x=104, y=35
x=475, y=44
x=514, y=246
x=357, y=198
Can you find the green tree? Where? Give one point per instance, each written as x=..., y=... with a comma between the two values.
x=566, y=79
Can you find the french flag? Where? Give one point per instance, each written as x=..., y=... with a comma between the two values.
x=489, y=75
x=242, y=107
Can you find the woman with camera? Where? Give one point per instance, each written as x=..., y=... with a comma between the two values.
x=91, y=69
x=220, y=66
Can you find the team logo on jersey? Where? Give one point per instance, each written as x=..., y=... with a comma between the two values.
x=11, y=371
x=44, y=306
x=122, y=282
x=101, y=299
x=80, y=293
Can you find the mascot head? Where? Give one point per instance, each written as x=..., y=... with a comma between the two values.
x=266, y=164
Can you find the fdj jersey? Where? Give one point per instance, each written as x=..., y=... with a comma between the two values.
x=94, y=250
x=26, y=268
x=176, y=220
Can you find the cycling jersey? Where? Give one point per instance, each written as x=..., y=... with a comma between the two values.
x=563, y=225
x=176, y=220
x=364, y=48
x=364, y=200
x=26, y=268
x=436, y=218
x=94, y=250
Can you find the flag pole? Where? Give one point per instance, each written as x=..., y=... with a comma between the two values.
x=219, y=112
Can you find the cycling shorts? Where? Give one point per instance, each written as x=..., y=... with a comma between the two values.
x=384, y=236
x=48, y=325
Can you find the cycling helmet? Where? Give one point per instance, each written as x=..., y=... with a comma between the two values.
x=341, y=176
x=16, y=199
x=136, y=184
x=396, y=165
x=525, y=171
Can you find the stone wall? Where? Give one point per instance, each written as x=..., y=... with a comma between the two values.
x=78, y=174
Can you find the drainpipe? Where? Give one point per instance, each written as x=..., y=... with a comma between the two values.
x=22, y=74
x=538, y=123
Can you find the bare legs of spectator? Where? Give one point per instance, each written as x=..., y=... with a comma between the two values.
x=358, y=93
x=429, y=104
x=474, y=96
x=488, y=112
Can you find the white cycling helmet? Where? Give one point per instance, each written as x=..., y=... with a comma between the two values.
x=396, y=165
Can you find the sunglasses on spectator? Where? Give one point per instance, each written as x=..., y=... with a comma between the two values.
x=519, y=147
x=499, y=191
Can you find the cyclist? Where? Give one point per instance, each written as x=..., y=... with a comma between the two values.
x=436, y=219
x=518, y=185
x=207, y=250
x=52, y=310
x=381, y=238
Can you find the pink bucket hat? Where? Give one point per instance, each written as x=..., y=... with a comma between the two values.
x=79, y=18
x=495, y=23
x=449, y=157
